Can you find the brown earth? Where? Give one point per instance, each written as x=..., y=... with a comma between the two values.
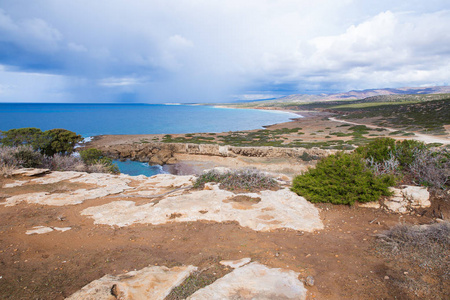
x=341, y=258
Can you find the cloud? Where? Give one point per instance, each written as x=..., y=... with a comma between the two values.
x=198, y=50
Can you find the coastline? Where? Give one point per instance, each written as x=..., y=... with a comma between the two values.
x=194, y=161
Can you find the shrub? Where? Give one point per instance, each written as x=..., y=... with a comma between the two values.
x=342, y=179
x=379, y=149
x=60, y=141
x=91, y=156
x=61, y=162
x=423, y=251
x=405, y=150
x=49, y=142
x=430, y=168
x=97, y=162
x=246, y=179
x=22, y=136
x=28, y=158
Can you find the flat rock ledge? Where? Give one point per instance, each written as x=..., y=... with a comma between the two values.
x=149, y=283
x=252, y=281
x=174, y=201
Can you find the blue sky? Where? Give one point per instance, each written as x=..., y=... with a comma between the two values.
x=157, y=51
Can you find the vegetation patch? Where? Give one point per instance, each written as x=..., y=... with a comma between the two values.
x=52, y=149
x=238, y=180
x=342, y=179
x=416, y=254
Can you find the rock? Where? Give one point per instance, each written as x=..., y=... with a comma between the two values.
x=39, y=230
x=418, y=196
x=211, y=186
x=407, y=198
x=15, y=183
x=29, y=172
x=374, y=205
x=149, y=283
x=236, y=263
x=62, y=229
x=254, y=281
x=45, y=229
x=309, y=280
x=275, y=209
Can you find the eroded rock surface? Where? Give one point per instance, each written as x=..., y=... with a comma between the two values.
x=407, y=198
x=274, y=209
x=149, y=283
x=254, y=281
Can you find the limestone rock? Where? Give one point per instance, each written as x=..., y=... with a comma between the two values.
x=309, y=281
x=236, y=263
x=29, y=172
x=254, y=281
x=149, y=283
x=407, y=198
x=39, y=230
x=46, y=229
x=374, y=205
x=275, y=209
x=417, y=195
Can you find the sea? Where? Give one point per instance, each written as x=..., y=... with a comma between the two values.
x=91, y=120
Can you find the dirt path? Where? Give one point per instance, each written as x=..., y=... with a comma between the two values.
x=417, y=136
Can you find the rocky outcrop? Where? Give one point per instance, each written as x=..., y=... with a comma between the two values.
x=254, y=281
x=148, y=283
x=264, y=211
x=408, y=198
x=165, y=153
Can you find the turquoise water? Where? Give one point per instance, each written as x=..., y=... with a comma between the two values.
x=138, y=168
x=97, y=119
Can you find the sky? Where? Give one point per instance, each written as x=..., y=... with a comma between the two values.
x=159, y=51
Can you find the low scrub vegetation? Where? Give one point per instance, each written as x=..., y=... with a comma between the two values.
x=246, y=180
x=52, y=149
x=366, y=174
x=49, y=142
x=12, y=158
x=423, y=252
x=342, y=179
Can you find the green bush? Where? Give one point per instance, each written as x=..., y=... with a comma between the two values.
x=91, y=156
x=405, y=150
x=342, y=179
x=49, y=142
x=379, y=149
x=94, y=156
x=22, y=136
x=60, y=141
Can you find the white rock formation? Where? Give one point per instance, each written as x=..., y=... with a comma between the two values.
x=254, y=281
x=149, y=283
x=103, y=185
x=45, y=229
x=275, y=209
x=236, y=263
x=407, y=198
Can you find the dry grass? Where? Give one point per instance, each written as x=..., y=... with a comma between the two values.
x=417, y=258
x=238, y=180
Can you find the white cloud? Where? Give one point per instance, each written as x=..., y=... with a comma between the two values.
x=197, y=50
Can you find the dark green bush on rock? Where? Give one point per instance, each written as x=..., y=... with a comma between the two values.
x=342, y=179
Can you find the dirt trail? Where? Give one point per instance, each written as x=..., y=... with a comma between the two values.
x=417, y=136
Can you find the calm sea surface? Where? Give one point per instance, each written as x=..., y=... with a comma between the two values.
x=97, y=119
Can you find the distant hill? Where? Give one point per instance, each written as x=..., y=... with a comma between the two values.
x=354, y=95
